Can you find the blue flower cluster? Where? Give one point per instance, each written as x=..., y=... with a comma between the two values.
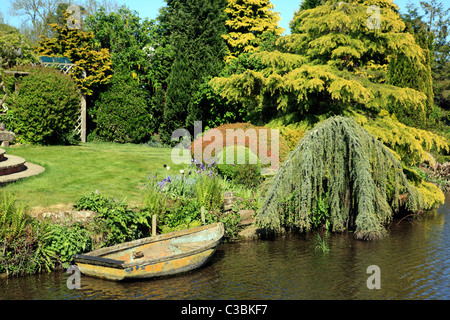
x=203, y=169
x=163, y=183
x=188, y=178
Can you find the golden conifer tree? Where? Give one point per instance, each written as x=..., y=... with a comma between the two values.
x=92, y=67
x=336, y=62
x=248, y=21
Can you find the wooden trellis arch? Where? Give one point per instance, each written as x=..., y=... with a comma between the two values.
x=3, y=106
x=65, y=66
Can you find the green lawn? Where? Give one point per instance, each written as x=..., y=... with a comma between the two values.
x=115, y=170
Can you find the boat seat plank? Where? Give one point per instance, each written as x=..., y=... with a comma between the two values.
x=99, y=261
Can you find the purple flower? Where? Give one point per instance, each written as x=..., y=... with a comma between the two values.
x=161, y=184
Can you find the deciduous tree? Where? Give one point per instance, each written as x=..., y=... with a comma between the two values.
x=36, y=13
x=15, y=49
x=431, y=30
x=129, y=39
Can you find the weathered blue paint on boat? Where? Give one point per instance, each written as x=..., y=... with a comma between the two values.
x=162, y=255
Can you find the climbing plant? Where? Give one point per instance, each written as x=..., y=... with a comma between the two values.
x=340, y=167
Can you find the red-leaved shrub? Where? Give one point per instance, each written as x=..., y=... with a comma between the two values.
x=244, y=134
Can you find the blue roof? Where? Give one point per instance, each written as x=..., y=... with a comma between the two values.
x=54, y=60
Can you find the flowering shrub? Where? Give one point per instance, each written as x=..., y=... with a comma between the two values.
x=251, y=142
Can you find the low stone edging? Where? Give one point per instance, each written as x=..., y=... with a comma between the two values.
x=62, y=217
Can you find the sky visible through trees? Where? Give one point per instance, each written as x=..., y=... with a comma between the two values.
x=150, y=9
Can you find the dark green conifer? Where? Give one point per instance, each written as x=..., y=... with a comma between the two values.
x=195, y=29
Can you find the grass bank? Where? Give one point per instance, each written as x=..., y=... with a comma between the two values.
x=118, y=170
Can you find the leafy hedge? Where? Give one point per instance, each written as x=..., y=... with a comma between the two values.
x=121, y=113
x=45, y=108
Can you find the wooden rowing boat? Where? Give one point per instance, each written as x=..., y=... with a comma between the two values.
x=162, y=255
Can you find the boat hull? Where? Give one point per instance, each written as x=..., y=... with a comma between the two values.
x=188, y=250
x=145, y=271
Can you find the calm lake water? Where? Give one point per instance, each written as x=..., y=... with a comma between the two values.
x=414, y=262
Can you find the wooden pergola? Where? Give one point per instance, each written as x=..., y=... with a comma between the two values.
x=65, y=66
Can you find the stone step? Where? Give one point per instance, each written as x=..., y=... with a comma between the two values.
x=2, y=154
x=247, y=217
x=29, y=171
x=11, y=164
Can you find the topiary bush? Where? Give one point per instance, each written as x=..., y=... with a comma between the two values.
x=121, y=113
x=45, y=108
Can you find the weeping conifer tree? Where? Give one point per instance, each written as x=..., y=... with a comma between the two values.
x=339, y=166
